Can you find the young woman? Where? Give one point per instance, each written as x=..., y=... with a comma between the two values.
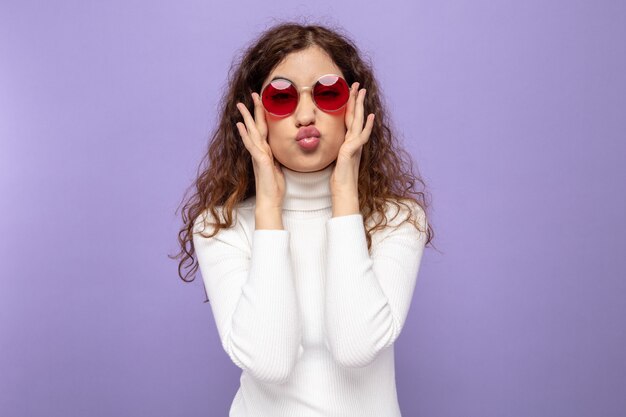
x=307, y=239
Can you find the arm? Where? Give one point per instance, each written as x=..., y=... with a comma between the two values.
x=368, y=298
x=253, y=298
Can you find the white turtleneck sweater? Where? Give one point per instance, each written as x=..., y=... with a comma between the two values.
x=306, y=312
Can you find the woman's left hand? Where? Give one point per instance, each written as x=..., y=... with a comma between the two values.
x=345, y=175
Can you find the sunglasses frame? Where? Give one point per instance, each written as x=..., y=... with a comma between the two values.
x=301, y=89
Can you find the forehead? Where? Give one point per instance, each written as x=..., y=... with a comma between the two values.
x=304, y=67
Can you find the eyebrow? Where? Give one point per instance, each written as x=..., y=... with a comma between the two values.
x=280, y=77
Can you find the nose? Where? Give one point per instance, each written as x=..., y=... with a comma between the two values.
x=305, y=111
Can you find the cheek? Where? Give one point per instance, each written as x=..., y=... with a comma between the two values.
x=342, y=121
x=339, y=128
x=275, y=132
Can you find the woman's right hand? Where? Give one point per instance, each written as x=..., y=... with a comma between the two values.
x=268, y=175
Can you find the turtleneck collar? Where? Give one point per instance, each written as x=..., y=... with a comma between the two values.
x=306, y=191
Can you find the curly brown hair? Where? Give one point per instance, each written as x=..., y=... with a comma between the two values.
x=225, y=175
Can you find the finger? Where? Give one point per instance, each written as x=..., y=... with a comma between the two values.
x=259, y=115
x=250, y=123
x=257, y=151
x=357, y=124
x=350, y=106
x=367, y=130
x=244, y=137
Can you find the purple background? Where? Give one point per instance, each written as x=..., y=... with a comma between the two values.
x=513, y=111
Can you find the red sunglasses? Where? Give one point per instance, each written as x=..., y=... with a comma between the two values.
x=280, y=97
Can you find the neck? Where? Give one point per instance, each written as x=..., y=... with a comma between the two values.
x=306, y=191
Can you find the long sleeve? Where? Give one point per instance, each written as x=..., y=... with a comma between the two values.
x=253, y=298
x=368, y=297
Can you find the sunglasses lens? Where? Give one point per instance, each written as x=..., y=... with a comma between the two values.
x=331, y=92
x=280, y=97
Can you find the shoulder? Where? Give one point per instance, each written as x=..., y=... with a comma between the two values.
x=242, y=214
x=397, y=211
x=402, y=216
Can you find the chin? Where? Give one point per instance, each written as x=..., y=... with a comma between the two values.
x=307, y=167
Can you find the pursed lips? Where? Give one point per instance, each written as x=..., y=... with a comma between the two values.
x=307, y=132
